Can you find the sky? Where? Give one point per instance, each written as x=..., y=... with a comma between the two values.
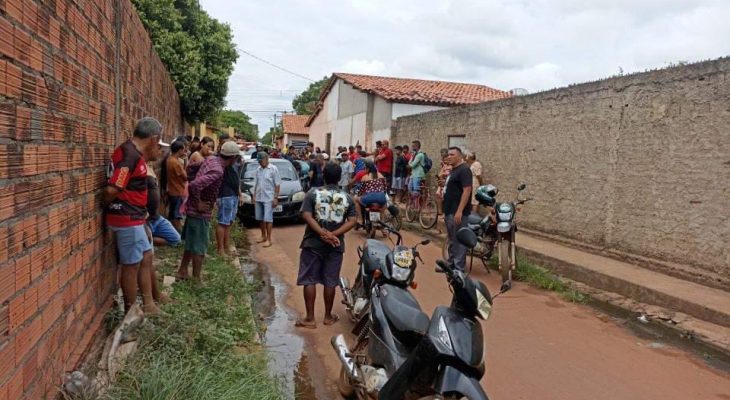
x=534, y=45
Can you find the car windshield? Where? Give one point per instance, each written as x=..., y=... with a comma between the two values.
x=286, y=170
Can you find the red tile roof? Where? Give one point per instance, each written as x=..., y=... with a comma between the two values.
x=295, y=124
x=415, y=91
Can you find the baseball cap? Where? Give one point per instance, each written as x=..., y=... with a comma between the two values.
x=163, y=144
x=230, y=149
x=325, y=156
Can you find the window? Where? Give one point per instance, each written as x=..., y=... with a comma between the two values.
x=458, y=141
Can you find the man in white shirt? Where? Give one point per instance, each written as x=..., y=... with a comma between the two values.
x=266, y=196
x=347, y=170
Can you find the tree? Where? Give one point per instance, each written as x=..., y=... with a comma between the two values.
x=305, y=102
x=275, y=130
x=239, y=121
x=197, y=50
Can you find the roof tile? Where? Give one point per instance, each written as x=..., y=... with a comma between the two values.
x=295, y=124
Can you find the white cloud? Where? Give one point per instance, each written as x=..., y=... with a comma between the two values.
x=537, y=44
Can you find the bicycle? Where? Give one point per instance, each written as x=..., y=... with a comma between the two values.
x=423, y=206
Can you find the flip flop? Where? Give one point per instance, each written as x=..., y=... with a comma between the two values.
x=260, y=240
x=332, y=321
x=300, y=323
x=268, y=244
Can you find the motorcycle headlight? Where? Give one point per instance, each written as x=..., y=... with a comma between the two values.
x=403, y=258
x=483, y=306
x=504, y=227
x=400, y=274
x=298, y=196
x=505, y=212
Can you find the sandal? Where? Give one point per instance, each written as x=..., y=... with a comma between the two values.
x=331, y=321
x=300, y=323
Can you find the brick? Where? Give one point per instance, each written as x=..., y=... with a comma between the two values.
x=14, y=8
x=30, y=231
x=7, y=358
x=27, y=338
x=16, y=311
x=15, y=384
x=13, y=77
x=6, y=38
x=30, y=370
x=52, y=312
x=7, y=281
x=22, y=272
x=3, y=245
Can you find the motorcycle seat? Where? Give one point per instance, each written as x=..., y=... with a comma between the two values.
x=474, y=219
x=404, y=314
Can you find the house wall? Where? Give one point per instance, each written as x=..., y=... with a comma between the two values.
x=636, y=166
x=325, y=121
x=62, y=94
x=401, y=110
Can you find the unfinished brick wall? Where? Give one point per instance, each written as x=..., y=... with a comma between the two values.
x=635, y=166
x=58, y=127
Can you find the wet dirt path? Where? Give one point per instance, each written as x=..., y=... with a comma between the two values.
x=537, y=346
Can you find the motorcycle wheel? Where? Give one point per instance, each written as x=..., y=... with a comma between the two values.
x=429, y=214
x=504, y=256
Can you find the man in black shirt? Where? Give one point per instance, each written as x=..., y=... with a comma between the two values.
x=329, y=213
x=457, y=193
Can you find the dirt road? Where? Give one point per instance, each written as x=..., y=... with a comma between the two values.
x=537, y=345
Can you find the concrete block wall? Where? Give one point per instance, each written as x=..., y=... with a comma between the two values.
x=636, y=166
x=61, y=92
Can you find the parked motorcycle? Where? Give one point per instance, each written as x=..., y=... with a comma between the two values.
x=373, y=214
x=505, y=214
x=372, y=259
x=408, y=356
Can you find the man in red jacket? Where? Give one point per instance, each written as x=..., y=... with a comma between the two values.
x=384, y=162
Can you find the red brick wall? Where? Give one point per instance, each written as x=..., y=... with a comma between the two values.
x=57, y=130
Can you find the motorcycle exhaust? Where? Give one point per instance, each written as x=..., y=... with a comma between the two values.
x=340, y=346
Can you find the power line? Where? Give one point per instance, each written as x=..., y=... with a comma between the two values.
x=274, y=65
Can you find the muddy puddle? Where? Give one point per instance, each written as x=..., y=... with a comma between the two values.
x=288, y=359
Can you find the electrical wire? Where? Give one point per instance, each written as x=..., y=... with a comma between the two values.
x=274, y=65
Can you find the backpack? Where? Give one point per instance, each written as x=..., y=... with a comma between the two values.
x=427, y=163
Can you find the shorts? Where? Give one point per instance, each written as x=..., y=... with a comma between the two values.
x=174, y=205
x=319, y=268
x=196, y=234
x=132, y=243
x=398, y=183
x=162, y=228
x=373, y=198
x=264, y=211
x=415, y=185
x=227, y=209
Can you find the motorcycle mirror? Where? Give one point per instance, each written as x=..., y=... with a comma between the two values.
x=521, y=187
x=425, y=242
x=467, y=237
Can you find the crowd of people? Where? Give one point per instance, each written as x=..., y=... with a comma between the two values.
x=196, y=179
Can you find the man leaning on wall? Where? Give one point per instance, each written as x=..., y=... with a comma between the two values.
x=125, y=201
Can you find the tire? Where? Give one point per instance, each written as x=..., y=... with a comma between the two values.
x=344, y=386
x=429, y=214
x=411, y=212
x=504, y=257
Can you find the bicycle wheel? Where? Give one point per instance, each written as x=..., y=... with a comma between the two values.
x=429, y=214
x=412, y=209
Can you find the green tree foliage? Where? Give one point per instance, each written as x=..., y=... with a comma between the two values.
x=197, y=50
x=239, y=121
x=305, y=102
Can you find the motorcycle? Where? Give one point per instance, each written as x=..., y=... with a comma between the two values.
x=373, y=214
x=447, y=361
x=391, y=322
x=372, y=258
x=505, y=214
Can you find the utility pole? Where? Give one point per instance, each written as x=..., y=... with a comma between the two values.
x=273, y=135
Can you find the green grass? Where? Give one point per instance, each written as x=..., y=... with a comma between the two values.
x=193, y=351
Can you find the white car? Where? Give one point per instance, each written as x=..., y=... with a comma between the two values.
x=247, y=153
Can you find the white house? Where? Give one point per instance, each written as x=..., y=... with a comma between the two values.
x=360, y=109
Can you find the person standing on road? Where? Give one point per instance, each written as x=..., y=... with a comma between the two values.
x=400, y=175
x=229, y=198
x=329, y=213
x=418, y=172
x=125, y=201
x=315, y=170
x=203, y=193
x=348, y=170
x=457, y=193
x=476, y=172
x=266, y=196
x=177, y=181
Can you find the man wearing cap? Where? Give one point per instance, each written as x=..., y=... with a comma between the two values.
x=202, y=195
x=125, y=201
x=266, y=196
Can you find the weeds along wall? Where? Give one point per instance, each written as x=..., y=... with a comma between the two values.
x=74, y=78
x=637, y=166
